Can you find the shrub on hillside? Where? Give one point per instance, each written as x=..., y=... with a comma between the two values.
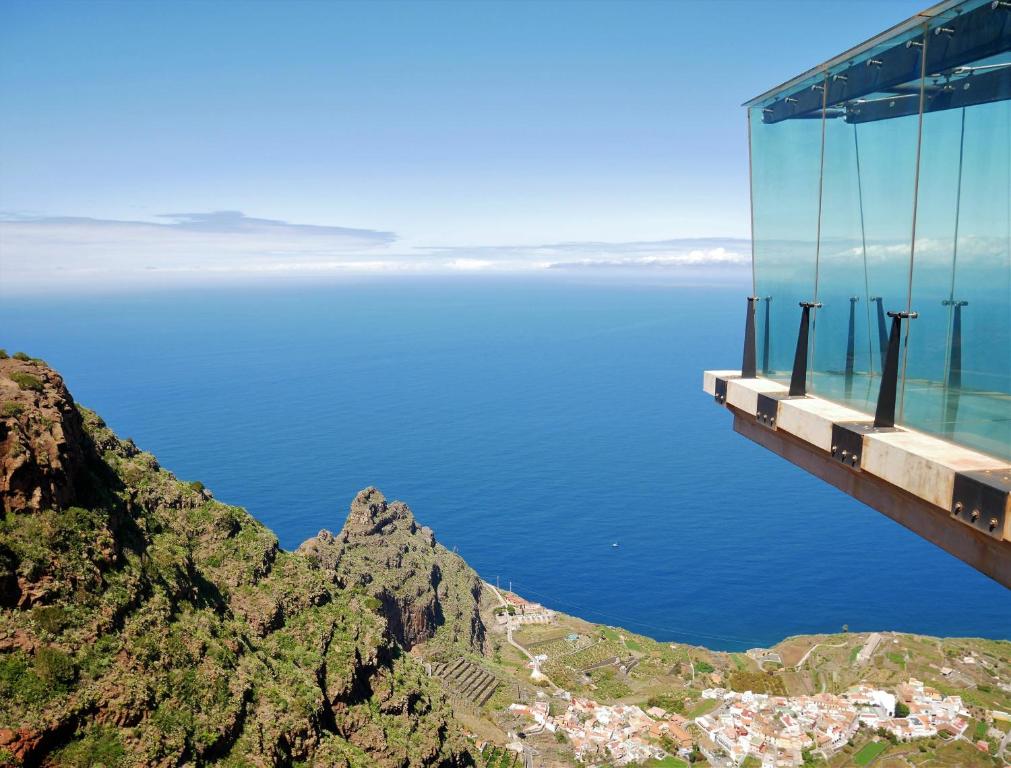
x=51, y=618
x=55, y=667
x=27, y=381
x=11, y=410
x=22, y=356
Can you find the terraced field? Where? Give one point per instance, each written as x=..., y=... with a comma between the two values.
x=553, y=649
x=469, y=680
x=595, y=654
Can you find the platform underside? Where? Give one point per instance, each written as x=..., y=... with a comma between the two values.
x=954, y=497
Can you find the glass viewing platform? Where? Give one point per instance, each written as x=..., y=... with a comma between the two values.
x=877, y=344
x=881, y=182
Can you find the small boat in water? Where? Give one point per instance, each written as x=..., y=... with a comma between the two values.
x=615, y=545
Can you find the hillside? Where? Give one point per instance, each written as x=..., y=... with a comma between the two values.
x=142, y=622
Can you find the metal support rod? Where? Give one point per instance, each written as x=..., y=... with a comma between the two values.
x=851, y=337
x=766, y=341
x=798, y=381
x=884, y=416
x=953, y=378
x=851, y=346
x=882, y=333
x=748, y=370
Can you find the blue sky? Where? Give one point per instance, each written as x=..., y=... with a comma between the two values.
x=440, y=133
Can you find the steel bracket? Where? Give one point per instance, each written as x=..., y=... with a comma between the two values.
x=767, y=410
x=848, y=441
x=721, y=389
x=981, y=498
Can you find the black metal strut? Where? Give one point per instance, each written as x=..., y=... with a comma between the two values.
x=882, y=333
x=798, y=380
x=748, y=368
x=953, y=378
x=766, y=342
x=851, y=344
x=884, y=416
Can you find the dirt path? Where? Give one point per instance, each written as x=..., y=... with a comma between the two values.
x=515, y=644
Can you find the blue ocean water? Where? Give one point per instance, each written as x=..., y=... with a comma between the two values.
x=532, y=424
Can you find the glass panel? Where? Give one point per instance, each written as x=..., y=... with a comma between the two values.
x=834, y=189
x=785, y=164
x=958, y=367
x=866, y=231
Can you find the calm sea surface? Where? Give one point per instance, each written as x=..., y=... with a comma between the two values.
x=531, y=424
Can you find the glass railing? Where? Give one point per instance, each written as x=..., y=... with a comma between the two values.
x=882, y=183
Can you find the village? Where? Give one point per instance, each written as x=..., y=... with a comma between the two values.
x=782, y=731
x=585, y=697
x=775, y=731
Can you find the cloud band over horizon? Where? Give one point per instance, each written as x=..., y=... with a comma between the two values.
x=48, y=250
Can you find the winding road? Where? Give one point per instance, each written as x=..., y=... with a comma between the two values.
x=514, y=644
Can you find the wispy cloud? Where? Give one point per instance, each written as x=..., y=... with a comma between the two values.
x=52, y=250
x=686, y=252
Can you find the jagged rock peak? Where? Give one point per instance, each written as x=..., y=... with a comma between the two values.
x=370, y=514
x=423, y=589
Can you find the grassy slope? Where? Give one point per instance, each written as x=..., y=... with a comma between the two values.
x=157, y=626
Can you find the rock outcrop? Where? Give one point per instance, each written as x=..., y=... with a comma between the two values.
x=425, y=592
x=42, y=442
x=142, y=622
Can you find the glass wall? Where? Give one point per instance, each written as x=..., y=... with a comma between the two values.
x=785, y=179
x=883, y=183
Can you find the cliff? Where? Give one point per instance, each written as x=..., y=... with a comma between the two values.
x=142, y=622
x=425, y=592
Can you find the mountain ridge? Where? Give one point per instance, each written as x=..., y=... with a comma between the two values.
x=144, y=622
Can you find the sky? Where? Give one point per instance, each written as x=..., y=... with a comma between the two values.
x=141, y=141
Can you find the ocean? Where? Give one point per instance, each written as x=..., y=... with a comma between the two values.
x=532, y=423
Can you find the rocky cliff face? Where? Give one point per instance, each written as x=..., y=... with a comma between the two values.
x=41, y=455
x=425, y=592
x=144, y=623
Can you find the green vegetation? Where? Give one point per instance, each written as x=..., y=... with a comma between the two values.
x=704, y=667
x=757, y=682
x=3, y=354
x=23, y=356
x=979, y=730
x=669, y=702
x=608, y=684
x=704, y=707
x=593, y=655
x=51, y=618
x=20, y=686
x=11, y=410
x=901, y=710
x=181, y=617
x=668, y=762
x=55, y=668
x=26, y=381
x=98, y=747
x=869, y=751
x=897, y=658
